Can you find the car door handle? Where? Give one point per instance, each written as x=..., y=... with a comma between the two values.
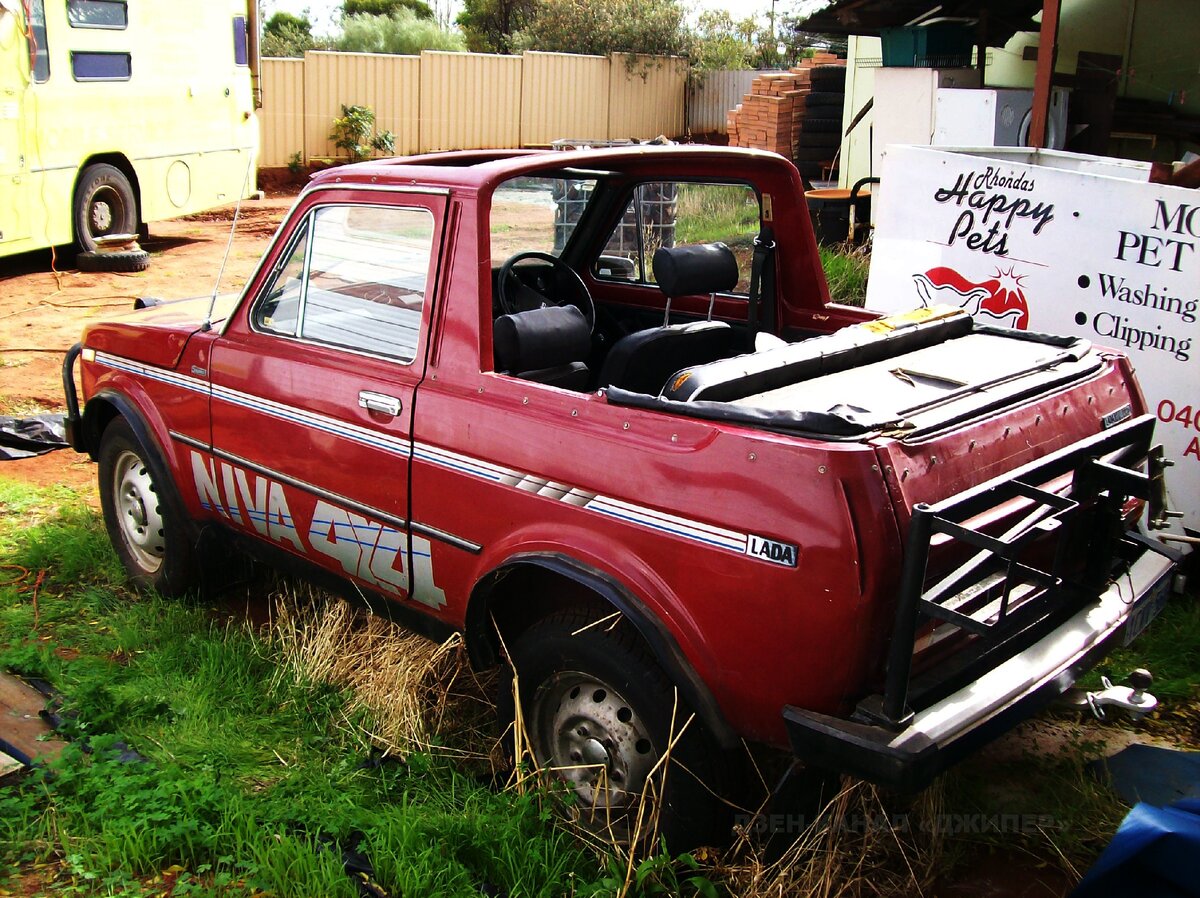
x=379, y=402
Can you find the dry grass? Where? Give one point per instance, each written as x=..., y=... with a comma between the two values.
x=420, y=696
x=423, y=697
x=858, y=846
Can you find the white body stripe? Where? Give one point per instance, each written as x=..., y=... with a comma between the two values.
x=686, y=528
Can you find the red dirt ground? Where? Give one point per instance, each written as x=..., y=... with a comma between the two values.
x=43, y=312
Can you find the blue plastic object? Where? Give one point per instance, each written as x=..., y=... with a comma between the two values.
x=1153, y=855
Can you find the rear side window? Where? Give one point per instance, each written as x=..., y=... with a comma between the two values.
x=91, y=66
x=98, y=13
x=355, y=279
x=671, y=213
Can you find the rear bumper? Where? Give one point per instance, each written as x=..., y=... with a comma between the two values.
x=943, y=733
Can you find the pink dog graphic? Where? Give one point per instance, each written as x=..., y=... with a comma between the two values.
x=999, y=301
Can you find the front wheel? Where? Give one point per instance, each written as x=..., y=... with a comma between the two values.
x=147, y=530
x=598, y=713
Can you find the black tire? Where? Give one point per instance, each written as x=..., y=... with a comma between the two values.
x=104, y=204
x=143, y=515
x=827, y=77
x=598, y=697
x=824, y=99
x=830, y=140
x=815, y=124
x=815, y=154
x=122, y=261
x=813, y=169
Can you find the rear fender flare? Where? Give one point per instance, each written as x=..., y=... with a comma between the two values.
x=484, y=650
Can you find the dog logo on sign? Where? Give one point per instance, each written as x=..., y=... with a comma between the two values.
x=999, y=300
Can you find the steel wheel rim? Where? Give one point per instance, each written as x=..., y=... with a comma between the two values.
x=138, y=511
x=105, y=210
x=594, y=740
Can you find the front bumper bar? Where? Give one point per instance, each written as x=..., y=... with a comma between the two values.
x=940, y=735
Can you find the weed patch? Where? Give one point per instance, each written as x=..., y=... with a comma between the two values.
x=846, y=273
x=230, y=761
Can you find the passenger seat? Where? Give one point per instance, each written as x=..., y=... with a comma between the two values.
x=642, y=362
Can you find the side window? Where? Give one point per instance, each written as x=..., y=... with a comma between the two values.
x=38, y=50
x=279, y=309
x=536, y=214
x=98, y=13
x=668, y=213
x=355, y=279
x=93, y=66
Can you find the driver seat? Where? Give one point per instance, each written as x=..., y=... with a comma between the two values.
x=642, y=361
x=545, y=345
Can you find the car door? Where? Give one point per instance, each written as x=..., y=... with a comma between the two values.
x=313, y=384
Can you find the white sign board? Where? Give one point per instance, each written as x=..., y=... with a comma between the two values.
x=1061, y=243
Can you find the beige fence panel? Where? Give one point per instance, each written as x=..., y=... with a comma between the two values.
x=563, y=96
x=470, y=101
x=281, y=119
x=714, y=95
x=445, y=101
x=646, y=99
x=390, y=85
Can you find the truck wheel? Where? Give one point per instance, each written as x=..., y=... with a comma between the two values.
x=148, y=533
x=597, y=711
x=104, y=204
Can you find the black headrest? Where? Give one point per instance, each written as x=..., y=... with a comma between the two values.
x=703, y=268
x=541, y=338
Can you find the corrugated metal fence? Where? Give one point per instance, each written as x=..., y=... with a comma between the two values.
x=712, y=96
x=442, y=101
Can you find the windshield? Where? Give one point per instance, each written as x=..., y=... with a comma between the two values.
x=536, y=214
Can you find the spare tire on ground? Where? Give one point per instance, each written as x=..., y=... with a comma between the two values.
x=127, y=260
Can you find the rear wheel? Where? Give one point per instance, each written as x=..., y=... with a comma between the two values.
x=104, y=205
x=598, y=714
x=147, y=530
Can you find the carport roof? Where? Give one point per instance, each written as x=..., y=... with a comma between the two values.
x=1003, y=18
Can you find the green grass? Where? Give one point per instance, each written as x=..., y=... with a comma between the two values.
x=708, y=213
x=197, y=753
x=1170, y=649
x=846, y=273
x=191, y=753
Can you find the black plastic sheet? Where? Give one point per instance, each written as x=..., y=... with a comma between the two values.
x=26, y=437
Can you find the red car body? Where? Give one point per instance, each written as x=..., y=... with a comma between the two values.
x=761, y=566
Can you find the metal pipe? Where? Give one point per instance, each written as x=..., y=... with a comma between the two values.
x=1046, y=58
x=912, y=578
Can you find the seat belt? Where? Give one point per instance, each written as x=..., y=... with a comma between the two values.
x=762, y=283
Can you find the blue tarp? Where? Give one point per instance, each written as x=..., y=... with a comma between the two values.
x=1154, y=854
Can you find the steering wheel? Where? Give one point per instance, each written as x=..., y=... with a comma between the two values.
x=514, y=295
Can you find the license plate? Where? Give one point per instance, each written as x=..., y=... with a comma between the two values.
x=1147, y=609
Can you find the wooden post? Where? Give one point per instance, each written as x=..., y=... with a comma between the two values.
x=1046, y=58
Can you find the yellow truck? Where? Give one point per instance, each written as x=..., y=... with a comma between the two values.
x=114, y=114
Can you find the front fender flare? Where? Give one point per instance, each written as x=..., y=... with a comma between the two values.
x=156, y=455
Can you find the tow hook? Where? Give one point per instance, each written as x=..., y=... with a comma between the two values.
x=1133, y=698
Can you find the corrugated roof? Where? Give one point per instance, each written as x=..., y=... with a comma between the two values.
x=1002, y=18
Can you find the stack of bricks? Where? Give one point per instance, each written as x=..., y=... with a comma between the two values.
x=768, y=116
